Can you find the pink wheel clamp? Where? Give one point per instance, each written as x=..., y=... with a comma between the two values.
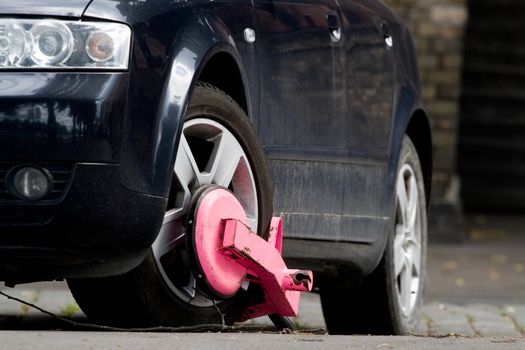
x=228, y=254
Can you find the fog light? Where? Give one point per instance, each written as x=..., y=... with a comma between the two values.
x=29, y=183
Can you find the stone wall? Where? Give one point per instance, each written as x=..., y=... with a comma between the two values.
x=438, y=27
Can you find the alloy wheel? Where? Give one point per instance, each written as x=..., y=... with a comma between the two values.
x=407, y=240
x=208, y=154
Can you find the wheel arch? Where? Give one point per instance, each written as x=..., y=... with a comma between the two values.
x=220, y=66
x=222, y=71
x=419, y=131
x=410, y=118
x=211, y=47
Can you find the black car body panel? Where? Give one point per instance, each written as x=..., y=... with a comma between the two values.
x=56, y=8
x=62, y=117
x=330, y=115
x=79, y=233
x=165, y=67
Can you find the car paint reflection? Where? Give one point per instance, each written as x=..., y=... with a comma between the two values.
x=64, y=115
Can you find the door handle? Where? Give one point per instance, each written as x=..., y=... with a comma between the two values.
x=385, y=30
x=334, y=25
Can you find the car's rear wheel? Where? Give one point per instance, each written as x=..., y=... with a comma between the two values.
x=218, y=146
x=389, y=300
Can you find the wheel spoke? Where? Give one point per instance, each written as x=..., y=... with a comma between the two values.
x=399, y=254
x=412, y=202
x=402, y=198
x=252, y=224
x=225, y=158
x=406, y=285
x=415, y=252
x=173, y=215
x=171, y=236
x=191, y=288
x=186, y=168
x=412, y=236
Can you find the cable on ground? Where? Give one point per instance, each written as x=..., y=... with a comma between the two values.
x=161, y=329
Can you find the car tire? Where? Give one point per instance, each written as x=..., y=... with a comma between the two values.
x=389, y=300
x=155, y=293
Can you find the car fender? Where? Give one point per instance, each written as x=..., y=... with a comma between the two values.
x=152, y=132
x=187, y=64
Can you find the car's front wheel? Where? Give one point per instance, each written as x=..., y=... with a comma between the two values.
x=218, y=146
x=389, y=300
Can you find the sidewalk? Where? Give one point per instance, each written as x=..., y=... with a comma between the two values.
x=489, y=266
x=476, y=288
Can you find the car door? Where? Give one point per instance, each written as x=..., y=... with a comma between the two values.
x=301, y=55
x=370, y=92
x=303, y=110
x=325, y=113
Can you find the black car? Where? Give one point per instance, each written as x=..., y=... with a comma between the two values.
x=114, y=113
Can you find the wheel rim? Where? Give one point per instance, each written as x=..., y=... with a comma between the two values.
x=208, y=153
x=407, y=240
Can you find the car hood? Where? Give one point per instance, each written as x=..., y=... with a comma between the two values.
x=66, y=8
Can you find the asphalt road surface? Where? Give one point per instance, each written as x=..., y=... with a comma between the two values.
x=82, y=340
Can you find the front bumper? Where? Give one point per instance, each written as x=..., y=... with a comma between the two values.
x=91, y=225
x=98, y=228
x=66, y=117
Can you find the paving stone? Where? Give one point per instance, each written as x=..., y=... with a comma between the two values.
x=488, y=308
x=59, y=302
x=517, y=312
x=448, y=319
x=422, y=327
x=56, y=301
x=452, y=328
x=259, y=321
x=310, y=314
x=446, y=308
x=443, y=311
x=495, y=329
x=489, y=321
x=310, y=311
x=10, y=307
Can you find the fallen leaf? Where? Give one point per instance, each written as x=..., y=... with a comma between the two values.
x=478, y=235
x=449, y=266
x=460, y=282
x=519, y=268
x=493, y=274
x=499, y=258
x=481, y=219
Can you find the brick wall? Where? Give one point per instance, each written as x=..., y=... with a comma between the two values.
x=438, y=27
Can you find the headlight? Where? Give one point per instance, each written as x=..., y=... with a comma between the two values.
x=56, y=44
